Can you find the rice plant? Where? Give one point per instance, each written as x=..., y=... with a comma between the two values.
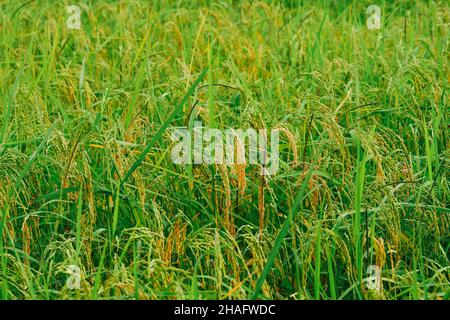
x=92, y=205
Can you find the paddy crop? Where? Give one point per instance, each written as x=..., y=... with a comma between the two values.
x=93, y=206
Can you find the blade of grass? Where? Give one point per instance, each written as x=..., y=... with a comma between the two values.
x=281, y=235
x=164, y=126
x=33, y=157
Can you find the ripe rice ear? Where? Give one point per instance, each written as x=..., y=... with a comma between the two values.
x=261, y=205
x=228, y=219
x=291, y=140
x=240, y=165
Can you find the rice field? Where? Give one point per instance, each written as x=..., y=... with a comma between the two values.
x=93, y=205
